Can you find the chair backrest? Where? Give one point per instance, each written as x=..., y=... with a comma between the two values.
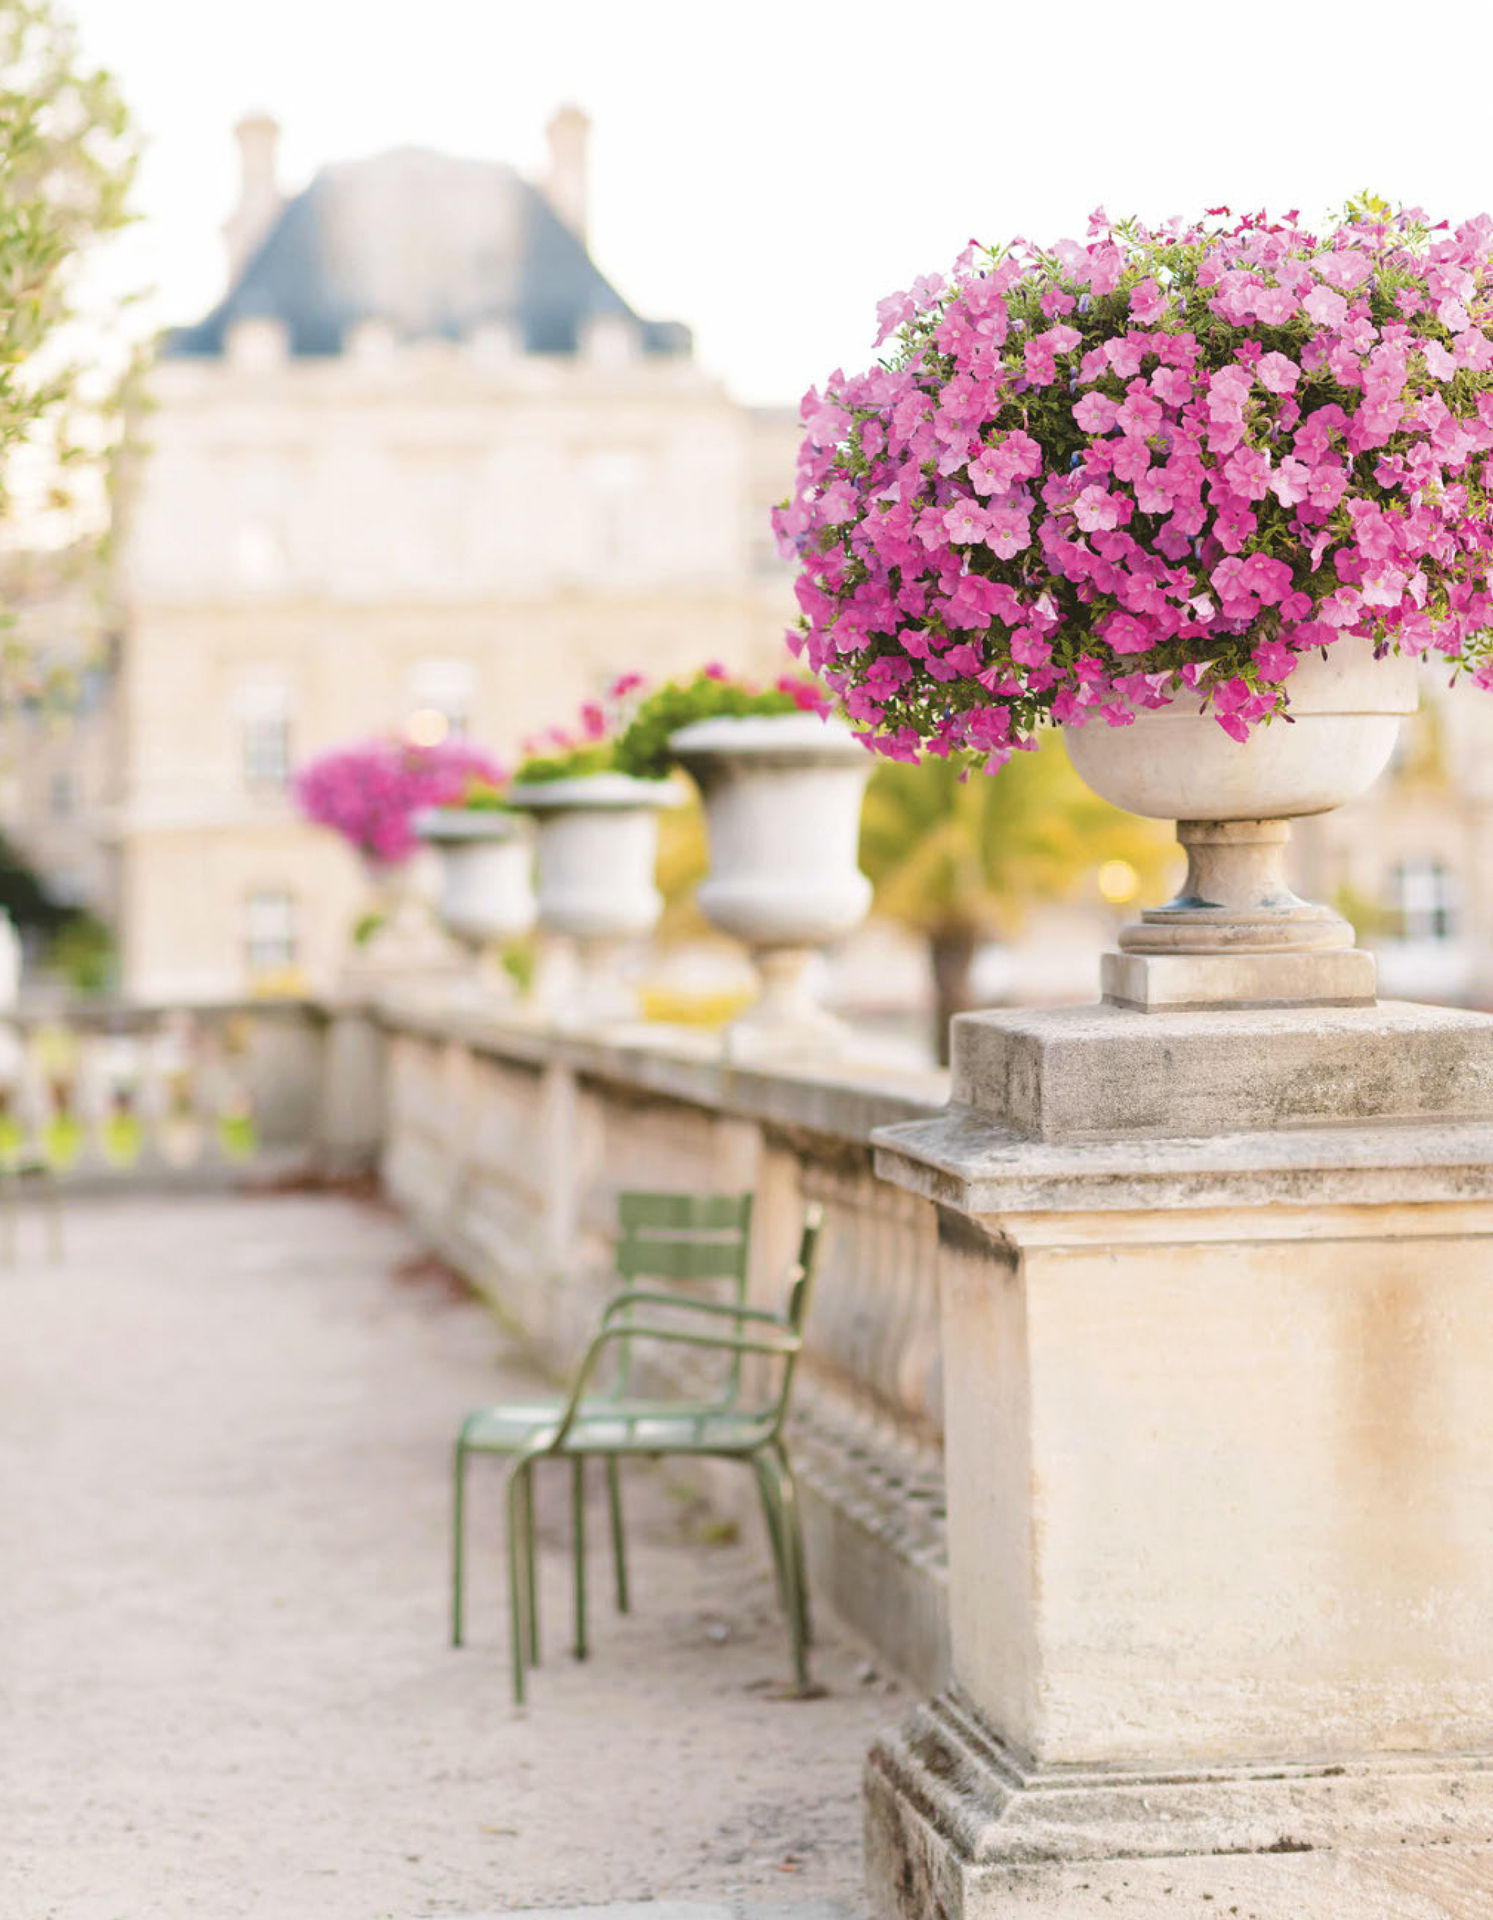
x=670, y=1240
x=680, y=1237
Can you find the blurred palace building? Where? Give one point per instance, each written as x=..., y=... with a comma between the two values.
x=422, y=469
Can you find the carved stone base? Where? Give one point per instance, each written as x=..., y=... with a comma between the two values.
x=960, y=1828
x=1149, y=982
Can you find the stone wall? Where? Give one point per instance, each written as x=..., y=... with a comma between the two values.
x=508, y=1144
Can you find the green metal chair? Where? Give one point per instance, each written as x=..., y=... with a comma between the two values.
x=742, y=1424
x=679, y=1238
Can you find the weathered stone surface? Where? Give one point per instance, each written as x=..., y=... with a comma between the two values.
x=1151, y=982
x=1076, y=1073
x=960, y=1160
x=959, y=1826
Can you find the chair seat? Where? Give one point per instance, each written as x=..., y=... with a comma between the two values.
x=621, y=1426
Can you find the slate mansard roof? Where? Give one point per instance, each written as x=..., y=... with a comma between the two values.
x=431, y=245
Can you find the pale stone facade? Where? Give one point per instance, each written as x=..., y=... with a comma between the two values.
x=422, y=460
x=1412, y=861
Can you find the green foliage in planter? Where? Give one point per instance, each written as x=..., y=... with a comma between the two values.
x=481, y=796
x=643, y=749
x=597, y=756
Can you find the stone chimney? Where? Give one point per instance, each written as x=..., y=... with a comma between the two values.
x=564, y=183
x=259, y=195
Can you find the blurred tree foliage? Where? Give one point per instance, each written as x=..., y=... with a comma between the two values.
x=960, y=860
x=67, y=162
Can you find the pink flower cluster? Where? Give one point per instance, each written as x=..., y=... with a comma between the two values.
x=370, y=794
x=1088, y=477
x=598, y=721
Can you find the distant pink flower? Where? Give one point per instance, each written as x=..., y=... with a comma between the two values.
x=370, y=794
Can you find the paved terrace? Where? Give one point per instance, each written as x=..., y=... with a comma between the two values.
x=224, y=1432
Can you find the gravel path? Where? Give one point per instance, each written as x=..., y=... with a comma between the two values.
x=224, y=1433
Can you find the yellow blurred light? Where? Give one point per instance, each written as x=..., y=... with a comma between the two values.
x=428, y=727
x=1118, y=882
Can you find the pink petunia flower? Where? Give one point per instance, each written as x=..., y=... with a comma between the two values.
x=1147, y=302
x=966, y=523
x=1277, y=373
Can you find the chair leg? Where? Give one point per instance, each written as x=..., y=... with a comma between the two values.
x=794, y=1526
x=578, y=1548
x=773, y=1516
x=531, y=1561
x=793, y=1556
x=619, y=1543
x=518, y=1493
x=458, y=1541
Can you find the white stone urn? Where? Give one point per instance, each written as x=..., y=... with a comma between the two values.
x=1236, y=934
x=782, y=797
x=487, y=884
x=597, y=851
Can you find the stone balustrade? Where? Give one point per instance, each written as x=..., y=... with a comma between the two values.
x=124, y=1093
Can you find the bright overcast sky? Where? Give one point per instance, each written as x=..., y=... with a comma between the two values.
x=767, y=171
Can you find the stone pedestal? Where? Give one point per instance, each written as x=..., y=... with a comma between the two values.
x=1218, y=1350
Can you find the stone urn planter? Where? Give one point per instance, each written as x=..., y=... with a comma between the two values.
x=1236, y=934
x=782, y=797
x=487, y=884
x=597, y=838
